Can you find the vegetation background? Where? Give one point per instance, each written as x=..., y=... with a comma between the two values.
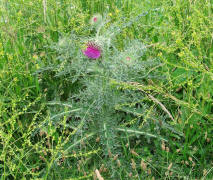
x=63, y=116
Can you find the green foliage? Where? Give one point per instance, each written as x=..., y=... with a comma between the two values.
x=141, y=111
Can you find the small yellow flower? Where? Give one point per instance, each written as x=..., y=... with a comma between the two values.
x=10, y=57
x=160, y=54
x=35, y=57
x=178, y=41
x=1, y=53
x=37, y=66
x=110, y=14
x=181, y=54
x=19, y=13
x=173, y=33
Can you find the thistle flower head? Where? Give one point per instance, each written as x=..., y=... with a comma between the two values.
x=92, y=51
x=128, y=58
x=96, y=20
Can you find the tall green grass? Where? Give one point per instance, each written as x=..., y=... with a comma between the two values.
x=163, y=127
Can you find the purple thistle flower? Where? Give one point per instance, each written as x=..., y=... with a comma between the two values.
x=128, y=58
x=92, y=51
x=95, y=19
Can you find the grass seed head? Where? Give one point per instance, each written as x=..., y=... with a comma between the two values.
x=133, y=152
x=118, y=163
x=149, y=171
x=133, y=164
x=163, y=147
x=143, y=165
x=170, y=166
x=97, y=139
x=115, y=157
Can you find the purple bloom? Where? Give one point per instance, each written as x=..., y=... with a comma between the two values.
x=92, y=51
x=128, y=58
x=95, y=19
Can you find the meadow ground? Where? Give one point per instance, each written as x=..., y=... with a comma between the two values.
x=142, y=110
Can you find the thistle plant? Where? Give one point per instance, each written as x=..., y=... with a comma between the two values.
x=98, y=102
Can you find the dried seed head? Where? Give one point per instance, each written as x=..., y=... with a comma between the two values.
x=195, y=149
x=115, y=157
x=206, y=134
x=74, y=153
x=182, y=161
x=94, y=176
x=133, y=164
x=190, y=159
x=171, y=173
x=143, y=165
x=105, y=170
x=45, y=153
x=118, y=163
x=97, y=139
x=170, y=166
x=42, y=54
x=42, y=158
x=193, y=164
x=101, y=168
x=133, y=152
x=179, y=121
x=149, y=171
x=130, y=174
x=178, y=89
x=98, y=175
x=82, y=143
x=160, y=123
x=48, y=144
x=80, y=162
x=127, y=145
x=178, y=150
x=110, y=154
x=79, y=168
x=163, y=147
x=204, y=172
x=167, y=149
x=41, y=133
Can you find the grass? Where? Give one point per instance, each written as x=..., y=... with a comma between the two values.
x=63, y=116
